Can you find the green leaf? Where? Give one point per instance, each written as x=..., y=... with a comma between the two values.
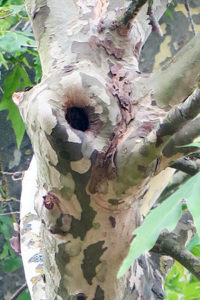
x=3, y=61
x=13, y=41
x=193, y=242
x=4, y=229
x=15, y=81
x=6, y=220
x=176, y=281
x=169, y=13
x=17, y=2
x=12, y=264
x=2, y=193
x=17, y=8
x=192, y=188
x=191, y=291
x=196, y=251
x=164, y=216
x=38, y=69
x=7, y=251
x=171, y=296
x=196, y=145
x=24, y=296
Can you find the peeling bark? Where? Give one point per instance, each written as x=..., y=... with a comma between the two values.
x=97, y=145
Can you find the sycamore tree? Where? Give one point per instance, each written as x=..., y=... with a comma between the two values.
x=104, y=135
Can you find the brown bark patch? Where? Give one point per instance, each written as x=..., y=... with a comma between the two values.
x=50, y=200
x=112, y=221
x=121, y=87
x=110, y=48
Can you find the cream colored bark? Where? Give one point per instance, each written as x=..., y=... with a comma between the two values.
x=95, y=134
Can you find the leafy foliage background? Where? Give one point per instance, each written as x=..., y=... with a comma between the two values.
x=20, y=68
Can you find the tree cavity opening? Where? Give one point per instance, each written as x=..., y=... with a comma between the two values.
x=77, y=118
x=81, y=296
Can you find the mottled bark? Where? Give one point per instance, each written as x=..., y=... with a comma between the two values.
x=98, y=140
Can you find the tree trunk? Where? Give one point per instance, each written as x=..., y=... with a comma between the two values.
x=99, y=137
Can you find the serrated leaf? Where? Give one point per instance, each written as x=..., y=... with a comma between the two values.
x=164, y=216
x=15, y=81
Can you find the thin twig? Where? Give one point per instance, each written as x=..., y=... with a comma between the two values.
x=19, y=291
x=132, y=11
x=10, y=213
x=13, y=174
x=4, y=17
x=152, y=20
x=11, y=199
x=187, y=6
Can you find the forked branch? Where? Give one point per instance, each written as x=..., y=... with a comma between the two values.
x=173, y=244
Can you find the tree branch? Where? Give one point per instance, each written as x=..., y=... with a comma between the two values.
x=185, y=164
x=177, y=81
x=173, y=244
x=167, y=245
x=180, y=115
x=152, y=19
x=50, y=20
x=141, y=156
x=132, y=11
x=187, y=6
x=175, y=147
x=174, y=183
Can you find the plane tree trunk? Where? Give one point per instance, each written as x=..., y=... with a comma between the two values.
x=100, y=131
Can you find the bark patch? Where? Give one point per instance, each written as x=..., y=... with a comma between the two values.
x=66, y=151
x=79, y=228
x=112, y=221
x=110, y=48
x=99, y=295
x=91, y=260
x=62, y=259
